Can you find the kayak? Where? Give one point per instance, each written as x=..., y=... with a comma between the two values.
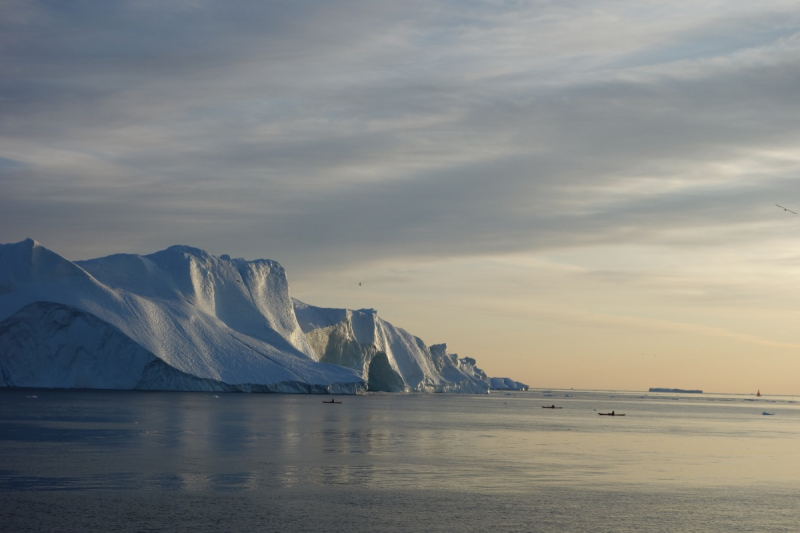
x=610, y=414
x=323, y=401
x=550, y=407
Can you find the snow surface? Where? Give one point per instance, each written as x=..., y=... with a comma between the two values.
x=182, y=319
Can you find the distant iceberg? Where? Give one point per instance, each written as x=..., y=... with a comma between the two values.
x=182, y=319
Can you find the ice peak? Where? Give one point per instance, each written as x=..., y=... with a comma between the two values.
x=29, y=262
x=27, y=244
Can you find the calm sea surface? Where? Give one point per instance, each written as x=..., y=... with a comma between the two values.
x=145, y=461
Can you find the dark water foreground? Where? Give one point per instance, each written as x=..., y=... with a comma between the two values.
x=354, y=509
x=123, y=461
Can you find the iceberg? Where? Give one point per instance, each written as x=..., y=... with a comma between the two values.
x=682, y=391
x=183, y=319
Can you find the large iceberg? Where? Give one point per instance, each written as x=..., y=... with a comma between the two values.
x=182, y=319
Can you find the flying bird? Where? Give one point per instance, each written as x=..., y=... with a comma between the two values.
x=789, y=210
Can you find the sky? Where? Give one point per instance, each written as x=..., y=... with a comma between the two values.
x=576, y=194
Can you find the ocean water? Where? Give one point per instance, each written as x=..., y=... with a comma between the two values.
x=158, y=461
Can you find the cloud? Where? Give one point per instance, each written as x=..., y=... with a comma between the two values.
x=369, y=128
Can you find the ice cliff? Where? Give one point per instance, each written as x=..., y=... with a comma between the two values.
x=182, y=319
x=388, y=358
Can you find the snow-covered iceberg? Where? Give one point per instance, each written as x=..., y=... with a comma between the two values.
x=182, y=319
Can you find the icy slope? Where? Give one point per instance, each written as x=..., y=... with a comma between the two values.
x=388, y=358
x=188, y=321
x=46, y=345
x=460, y=374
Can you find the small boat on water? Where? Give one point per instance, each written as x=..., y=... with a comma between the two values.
x=612, y=413
x=550, y=407
x=330, y=401
x=758, y=392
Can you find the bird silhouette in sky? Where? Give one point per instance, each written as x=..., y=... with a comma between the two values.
x=785, y=209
